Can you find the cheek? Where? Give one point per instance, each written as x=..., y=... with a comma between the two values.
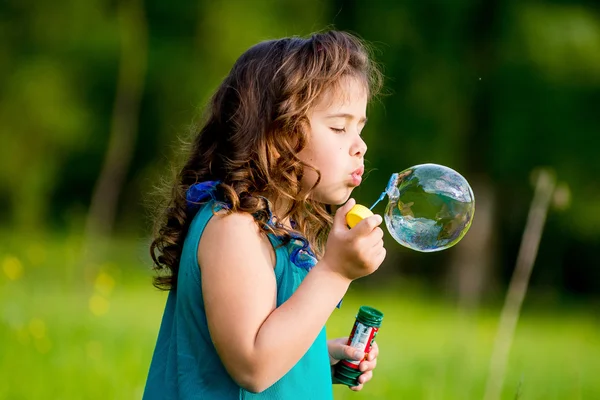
x=307, y=153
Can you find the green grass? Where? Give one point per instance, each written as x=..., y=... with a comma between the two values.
x=63, y=338
x=430, y=351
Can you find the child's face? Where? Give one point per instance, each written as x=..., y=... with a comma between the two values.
x=335, y=146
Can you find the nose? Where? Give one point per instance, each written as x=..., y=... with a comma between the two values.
x=359, y=147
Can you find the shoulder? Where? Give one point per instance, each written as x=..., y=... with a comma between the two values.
x=226, y=227
x=237, y=233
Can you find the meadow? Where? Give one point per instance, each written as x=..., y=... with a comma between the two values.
x=68, y=335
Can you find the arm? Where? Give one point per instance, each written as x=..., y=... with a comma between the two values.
x=239, y=290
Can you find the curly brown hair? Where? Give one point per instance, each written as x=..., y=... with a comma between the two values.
x=254, y=128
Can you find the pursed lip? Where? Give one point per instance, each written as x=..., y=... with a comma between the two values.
x=359, y=171
x=356, y=176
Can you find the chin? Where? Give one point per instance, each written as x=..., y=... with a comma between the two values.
x=340, y=198
x=333, y=197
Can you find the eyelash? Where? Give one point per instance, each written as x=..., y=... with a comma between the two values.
x=343, y=130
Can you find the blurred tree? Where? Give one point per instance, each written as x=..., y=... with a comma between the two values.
x=42, y=112
x=545, y=113
x=471, y=262
x=124, y=125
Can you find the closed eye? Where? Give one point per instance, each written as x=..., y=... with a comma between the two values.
x=337, y=130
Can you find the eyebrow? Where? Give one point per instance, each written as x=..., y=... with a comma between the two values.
x=347, y=116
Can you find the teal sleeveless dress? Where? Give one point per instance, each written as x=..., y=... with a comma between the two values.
x=185, y=364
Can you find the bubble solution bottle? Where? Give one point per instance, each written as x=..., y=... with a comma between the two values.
x=367, y=323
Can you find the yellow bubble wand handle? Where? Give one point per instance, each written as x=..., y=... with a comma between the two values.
x=357, y=214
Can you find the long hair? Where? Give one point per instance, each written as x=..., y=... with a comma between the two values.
x=255, y=125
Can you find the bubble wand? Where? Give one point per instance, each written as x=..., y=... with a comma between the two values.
x=360, y=212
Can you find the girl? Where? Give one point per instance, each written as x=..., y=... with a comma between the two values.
x=253, y=258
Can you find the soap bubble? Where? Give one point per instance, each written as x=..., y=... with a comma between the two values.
x=430, y=207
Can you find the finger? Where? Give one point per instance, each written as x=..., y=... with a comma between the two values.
x=367, y=225
x=378, y=255
x=375, y=238
x=374, y=352
x=357, y=388
x=367, y=365
x=341, y=351
x=366, y=377
x=382, y=255
x=378, y=234
x=353, y=354
x=340, y=215
x=336, y=350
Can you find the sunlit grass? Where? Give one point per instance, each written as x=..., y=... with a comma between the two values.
x=69, y=337
x=430, y=351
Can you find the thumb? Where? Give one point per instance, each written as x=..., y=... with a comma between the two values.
x=340, y=214
x=365, y=226
x=341, y=351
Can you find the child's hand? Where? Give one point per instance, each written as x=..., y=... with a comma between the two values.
x=356, y=252
x=339, y=350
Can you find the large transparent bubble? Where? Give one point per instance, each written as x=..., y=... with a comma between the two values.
x=430, y=207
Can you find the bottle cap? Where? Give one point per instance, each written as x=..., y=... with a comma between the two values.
x=369, y=316
x=357, y=214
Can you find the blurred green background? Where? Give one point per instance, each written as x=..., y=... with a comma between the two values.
x=95, y=97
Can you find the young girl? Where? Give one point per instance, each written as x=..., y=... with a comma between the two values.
x=253, y=258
